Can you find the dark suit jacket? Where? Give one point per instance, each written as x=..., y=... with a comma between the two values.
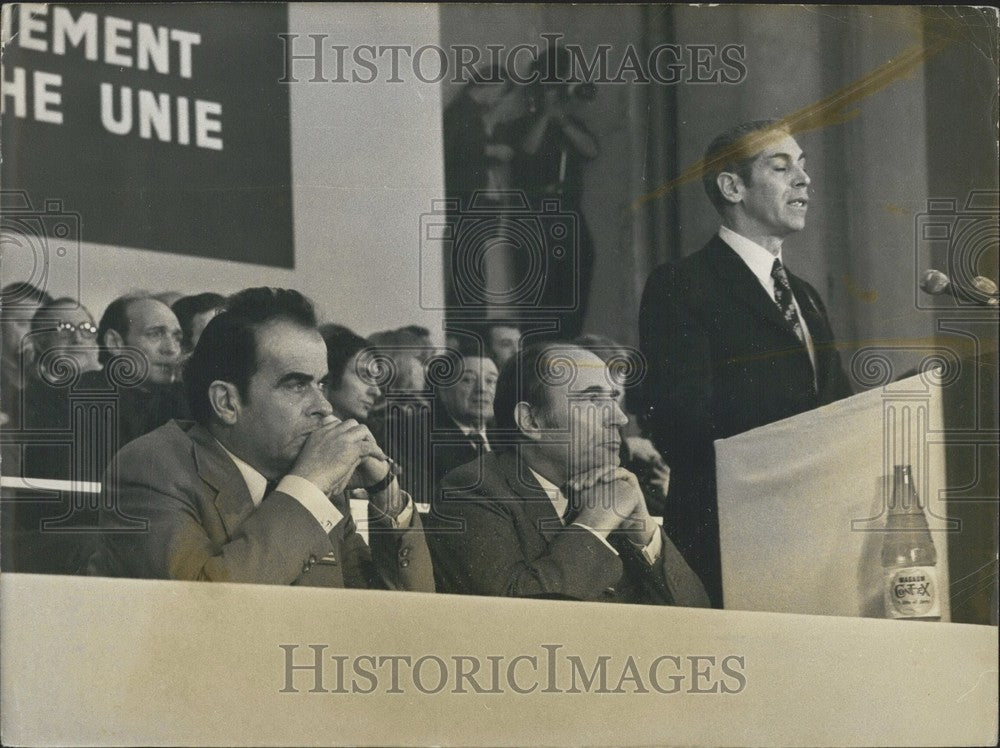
x=722, y=361
x=495, y=532
x=202, y=525
x=138, y=409
x=450, y=447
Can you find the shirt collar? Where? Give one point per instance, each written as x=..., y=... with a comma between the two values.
x=758, y=259
x=556, y=496
x=469, y=431
x=256, y=483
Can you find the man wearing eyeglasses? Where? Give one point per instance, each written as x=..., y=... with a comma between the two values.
x=134, y=353
x=63, y=337
x=63, y=333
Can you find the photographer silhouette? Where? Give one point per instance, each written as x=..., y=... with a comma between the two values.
x=554, y=145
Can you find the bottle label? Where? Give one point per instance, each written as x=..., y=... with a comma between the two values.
x=911, y=592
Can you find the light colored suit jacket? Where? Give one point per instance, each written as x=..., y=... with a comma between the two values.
x=174, y=506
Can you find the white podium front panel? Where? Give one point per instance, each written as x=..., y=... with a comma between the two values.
x=802, y=501
x=133, y=662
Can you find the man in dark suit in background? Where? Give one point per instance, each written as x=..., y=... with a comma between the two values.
x=733, y=340
x=551, y=513
x=462, y=413
x=244, y=494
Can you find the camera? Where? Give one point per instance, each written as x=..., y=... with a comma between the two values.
x=498, y=253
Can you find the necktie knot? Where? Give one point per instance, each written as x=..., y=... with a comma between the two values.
x=479, y=441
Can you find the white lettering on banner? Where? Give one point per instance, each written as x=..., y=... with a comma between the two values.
x=6, y=26
x=186, y=40
x=124, y=124
x=64, y=29
x=125, y=43
x=163, y=115
x=116, y=42
x=154, y=112
x=30, y=23
x=44, y=96
x=15, y=89
x=152, y=45
x=203, y=125
x=183, y=131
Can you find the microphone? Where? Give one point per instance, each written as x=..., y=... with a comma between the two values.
x=983, y=291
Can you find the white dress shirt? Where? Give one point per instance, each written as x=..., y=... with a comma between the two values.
x=760, y=262
x=303, y=491
x=650, y=552
x=469, y=431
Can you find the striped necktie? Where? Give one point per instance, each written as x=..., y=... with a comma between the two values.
x=785, y=301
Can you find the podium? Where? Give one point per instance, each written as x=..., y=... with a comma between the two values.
x=803, y=501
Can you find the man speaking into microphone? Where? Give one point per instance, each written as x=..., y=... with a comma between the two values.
x=733, y=339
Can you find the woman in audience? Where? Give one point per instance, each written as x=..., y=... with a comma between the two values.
x=350, y=386
x=352, y=391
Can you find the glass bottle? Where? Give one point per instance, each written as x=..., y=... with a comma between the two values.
x=909, y=559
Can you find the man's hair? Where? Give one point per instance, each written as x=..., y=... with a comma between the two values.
x=733, y=151
x=188, y=307
x=42, y=321
x=227, y=349
x=342, y=344
x=395, y=340
x=521, y=380
x=418, y=330
x=115, y=318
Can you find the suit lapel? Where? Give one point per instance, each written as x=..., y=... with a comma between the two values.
x=819, y=329
x=817, y=325
x=534, y=501
x=744, y=286
x=232, y=499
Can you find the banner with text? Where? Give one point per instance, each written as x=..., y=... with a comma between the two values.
x=162, y=126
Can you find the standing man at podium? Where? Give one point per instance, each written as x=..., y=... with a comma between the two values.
x=733, y=339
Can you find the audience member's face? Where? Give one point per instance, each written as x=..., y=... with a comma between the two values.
x=428, y=349
x=198, y=323
x=411, y=372
x=470, y=401
x=776, y=196
x=154, y=330
x=356, y=394
x=586, y=408
x=74, y=336
x=504, y=342
x=285, y=402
